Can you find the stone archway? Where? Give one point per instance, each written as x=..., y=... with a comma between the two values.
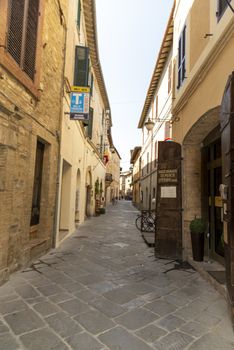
x=191, y=170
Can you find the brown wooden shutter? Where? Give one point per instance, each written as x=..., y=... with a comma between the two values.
x=15, y=29
x=22, y=33
x=31, y=38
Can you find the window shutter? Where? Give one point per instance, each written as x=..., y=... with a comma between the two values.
x=22, y=33
x=78, y=13
x=182, y=58
x=222, y=5
x=31, y=38
x=15, y=29
x=91, y=84
x=90, y=125
x=169, y=77
x=179, y=64
x=183, y=53
x=156, y=107
x=81, y=66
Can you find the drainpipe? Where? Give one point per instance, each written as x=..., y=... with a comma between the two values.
x=59, y=132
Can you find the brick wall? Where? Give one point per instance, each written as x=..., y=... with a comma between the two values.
x=23, y=120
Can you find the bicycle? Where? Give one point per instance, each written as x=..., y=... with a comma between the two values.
x=146, y=221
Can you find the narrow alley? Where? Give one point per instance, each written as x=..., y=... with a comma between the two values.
x=103, y=289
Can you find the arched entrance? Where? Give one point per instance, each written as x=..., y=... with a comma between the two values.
x=88, y=193
x=196, y=191
x=77, y=199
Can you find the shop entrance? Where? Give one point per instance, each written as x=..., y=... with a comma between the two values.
x=212, y=162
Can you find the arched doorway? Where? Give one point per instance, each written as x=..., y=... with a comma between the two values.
x=64, y=222
x=195, y=189
x=88, y=193
x=77, y=198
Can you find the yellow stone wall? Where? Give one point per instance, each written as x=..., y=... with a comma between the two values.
x=23, y=120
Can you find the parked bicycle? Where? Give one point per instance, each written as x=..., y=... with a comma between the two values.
x=146, y=221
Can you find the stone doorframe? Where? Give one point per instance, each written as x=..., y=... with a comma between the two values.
x=191, y=171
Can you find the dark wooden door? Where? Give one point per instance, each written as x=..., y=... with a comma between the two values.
x=227, y=138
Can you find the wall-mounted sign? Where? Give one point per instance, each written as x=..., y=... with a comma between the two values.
x=167, y=176
x=168, y=192
x=79, y=107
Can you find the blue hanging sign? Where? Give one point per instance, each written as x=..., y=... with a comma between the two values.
x=79, y=107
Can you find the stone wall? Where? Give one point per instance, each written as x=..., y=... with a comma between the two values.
x=24, y=119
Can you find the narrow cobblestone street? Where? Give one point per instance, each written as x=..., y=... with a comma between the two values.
x=103, y=289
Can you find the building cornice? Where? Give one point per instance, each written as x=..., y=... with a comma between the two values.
x=159, y=67
x=135, y=154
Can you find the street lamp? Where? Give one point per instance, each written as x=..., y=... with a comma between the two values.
x=149, y=124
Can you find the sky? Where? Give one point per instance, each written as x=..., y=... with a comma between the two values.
x=130, y=34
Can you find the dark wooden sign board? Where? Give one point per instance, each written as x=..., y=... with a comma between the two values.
x=168, y=233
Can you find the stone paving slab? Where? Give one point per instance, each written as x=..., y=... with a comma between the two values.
x=119, y=338
x=103, y=289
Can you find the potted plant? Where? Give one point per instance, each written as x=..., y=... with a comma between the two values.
x=197, y=230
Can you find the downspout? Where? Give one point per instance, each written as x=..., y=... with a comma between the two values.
x=59, y=133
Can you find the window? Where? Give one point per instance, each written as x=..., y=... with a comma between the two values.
x=155, y=153
x=36, y=200
x=90, y=124
x=78, y=14
x=169, y=77
x=222, y=5
x=101, y=144
x=91, y=83
x=181, y=58
x=22, y=34
x=156, y=107
x=81, y=73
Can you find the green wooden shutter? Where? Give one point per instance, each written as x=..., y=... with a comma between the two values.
x=90, y=125
x=81, y=73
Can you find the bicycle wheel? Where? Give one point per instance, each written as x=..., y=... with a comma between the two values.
x=138, y=223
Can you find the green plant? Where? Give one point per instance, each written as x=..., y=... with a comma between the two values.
x=197, y=225
x=102, y=210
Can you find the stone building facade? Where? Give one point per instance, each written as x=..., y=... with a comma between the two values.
x=136, y=176
x=156, y=113
x=31, y=86
x=203, y=66
x=84, y=144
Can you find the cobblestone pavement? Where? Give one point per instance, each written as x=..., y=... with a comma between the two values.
x=103, y=289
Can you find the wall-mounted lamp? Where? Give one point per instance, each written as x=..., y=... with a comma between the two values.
x=149, y=124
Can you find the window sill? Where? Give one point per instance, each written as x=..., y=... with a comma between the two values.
x=11, y=66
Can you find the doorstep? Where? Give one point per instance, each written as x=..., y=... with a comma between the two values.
x=211, y=271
